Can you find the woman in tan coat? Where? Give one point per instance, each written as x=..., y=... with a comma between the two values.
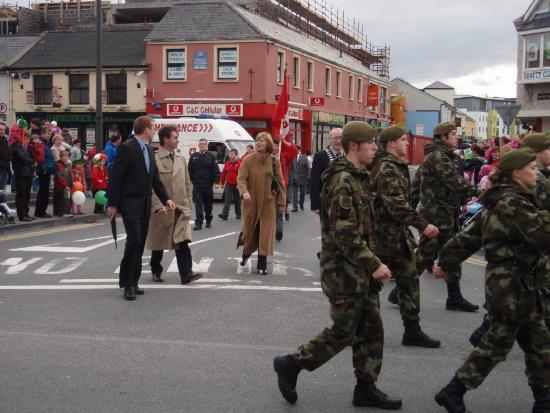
x=262, y=190
x=171, y=231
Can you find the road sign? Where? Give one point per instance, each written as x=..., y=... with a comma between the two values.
x=508, y=113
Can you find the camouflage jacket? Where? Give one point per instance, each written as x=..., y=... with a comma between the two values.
x=441, y=186
x=514, y=234
x=390, y=181
x=347, y=260
x=542, y=190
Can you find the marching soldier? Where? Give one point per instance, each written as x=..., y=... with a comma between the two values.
x=350, y=277
x=440, y=187
x=393, y=241
x=514, y=234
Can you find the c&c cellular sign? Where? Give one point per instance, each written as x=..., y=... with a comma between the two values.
x=196, y=109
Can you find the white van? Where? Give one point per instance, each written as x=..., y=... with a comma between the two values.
x=221, y=134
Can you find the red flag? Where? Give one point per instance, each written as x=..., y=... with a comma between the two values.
x=280, y=116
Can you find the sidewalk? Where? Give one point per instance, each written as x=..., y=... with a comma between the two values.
x=87, y=217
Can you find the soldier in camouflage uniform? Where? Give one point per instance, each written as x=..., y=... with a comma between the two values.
x=514, y=234
x=440, y=188
x=393, y=241
x=350, y=277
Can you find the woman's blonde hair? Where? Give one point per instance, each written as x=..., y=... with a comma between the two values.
x=265, y=136
x=56, y=137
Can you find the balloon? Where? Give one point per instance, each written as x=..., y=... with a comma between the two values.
x=22, y=123
x=77, y=187
x=100, y=198
x=79, y=198
x=96, y=158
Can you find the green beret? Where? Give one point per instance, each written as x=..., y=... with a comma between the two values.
x=444, y=128
x=358, y=131
x=391, y=133
x=516, y=159
x=536, y=141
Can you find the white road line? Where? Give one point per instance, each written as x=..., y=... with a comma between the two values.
x=156, y=287
x=213, y=238
x=76, y=250
x=115, y=280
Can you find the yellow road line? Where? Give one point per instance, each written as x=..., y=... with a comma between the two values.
x=475, y=261
x=52, y=230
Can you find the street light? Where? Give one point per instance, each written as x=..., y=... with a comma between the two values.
x=98, y=80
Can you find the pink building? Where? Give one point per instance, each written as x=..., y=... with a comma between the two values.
x=217, y=58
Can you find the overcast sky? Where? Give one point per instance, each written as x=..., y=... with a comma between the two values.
x=468, y=44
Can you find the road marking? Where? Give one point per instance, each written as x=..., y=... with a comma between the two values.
x=47, y=268
x=48, y=231
x=213, y=238
x=157, y=287
x=203, y=266
x=17, y=264
x=475, y=261
x=66, y=250
x=113, y=280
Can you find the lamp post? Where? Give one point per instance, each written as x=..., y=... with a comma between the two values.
x=98, y=80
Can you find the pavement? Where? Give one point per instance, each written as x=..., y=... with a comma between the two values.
x=70, y=343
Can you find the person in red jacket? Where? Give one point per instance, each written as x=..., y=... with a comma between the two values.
x=99, y=181
x=62, y=185
x=229, y=182
x=288, y=153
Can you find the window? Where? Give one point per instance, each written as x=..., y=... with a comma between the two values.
x=338, y=84
x=227, y=60
x=280, y=67
x=176, y=64
x=383, y=93
x=79, y=87
x=359, y=90
x=296, y=72
x=351, y=88
x=537, y=51
x=116, y=89
x=310, y=76
x=546, y=56
x=327, y=81
x=43, y=89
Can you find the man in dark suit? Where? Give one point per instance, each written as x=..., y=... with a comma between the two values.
x=321, y=162
x=300, y=175
x=133, y=178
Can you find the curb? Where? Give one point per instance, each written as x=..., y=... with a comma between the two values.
x=50, y=222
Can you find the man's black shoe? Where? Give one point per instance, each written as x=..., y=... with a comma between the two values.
x=460, y=304
x=294, y=210
x=542, y=400
x=139, y=291
x=319, y=255
x=451, y=397
x=25, y=219
x=367, y=395
x=222, y=216
x=129, y=293
x=208, y=224
x=238, y=217
x=278, y=236
x=189, y=277
x=287, y=216
x=44, y=215
x=393, y=297
x=414, y=336
x=302, y=207
x=287, y=374
x=198, y=226
x=157, y=277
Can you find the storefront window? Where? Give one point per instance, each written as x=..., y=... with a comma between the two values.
x=532, y=52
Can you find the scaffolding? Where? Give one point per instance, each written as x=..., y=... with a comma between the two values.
x=330, y=25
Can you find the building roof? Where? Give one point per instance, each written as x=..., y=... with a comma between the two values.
x=205, y=21
x=185, y=22
x=440, y=101
x=439, y=85
x=11, y=45
x=78, y=50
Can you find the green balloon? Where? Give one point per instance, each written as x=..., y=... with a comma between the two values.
x=100, y=197
x=22, y=123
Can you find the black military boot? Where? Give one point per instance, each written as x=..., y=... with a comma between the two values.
x=367, y=395
x=451, y=397
x=542, y=400
x=455, y=300
x=262, y=265
x=287, y=374
x=393, y=297
x=414, y=336
x=475, y=338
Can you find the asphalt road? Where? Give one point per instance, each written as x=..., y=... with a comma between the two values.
x=70, y=343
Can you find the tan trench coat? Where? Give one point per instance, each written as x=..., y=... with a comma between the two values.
x=259, y=214
x=166, y=231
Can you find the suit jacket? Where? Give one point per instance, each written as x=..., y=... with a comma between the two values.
x=300, y=170
x=130, y=186
x=321, y=162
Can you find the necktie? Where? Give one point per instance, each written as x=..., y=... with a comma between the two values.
x=146, y=156
x=172, y=156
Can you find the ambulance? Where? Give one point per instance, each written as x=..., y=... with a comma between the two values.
x=221, y=135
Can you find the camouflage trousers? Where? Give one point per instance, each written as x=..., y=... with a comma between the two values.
x=408, y=285
x=428, y=249
x=533, y=338
x=357, y=323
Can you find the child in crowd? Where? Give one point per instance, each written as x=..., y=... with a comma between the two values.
x=484, y=177
x=230, y=191
x=99, y=181
x=62, y=185
x=76, y=151
x=78, y=175
x=37, y=151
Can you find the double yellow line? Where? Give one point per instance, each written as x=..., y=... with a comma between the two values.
x=48, y=231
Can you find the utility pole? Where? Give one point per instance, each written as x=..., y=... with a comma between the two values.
x=98, y=79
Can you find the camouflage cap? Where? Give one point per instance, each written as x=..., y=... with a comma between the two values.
x=536, y=141
x=516, y=159
x=358, y=131
x=444, y=128
x=391, y=133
